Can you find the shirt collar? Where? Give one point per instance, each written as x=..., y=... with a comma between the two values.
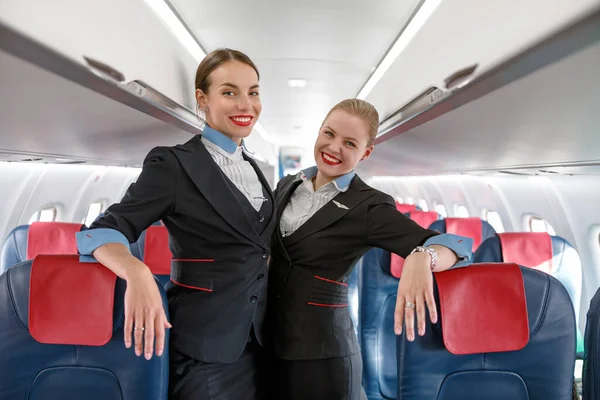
x=219, y=139
x=342, y=183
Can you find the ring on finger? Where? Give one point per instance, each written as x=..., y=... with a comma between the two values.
x=409, y=304
x=141, y=328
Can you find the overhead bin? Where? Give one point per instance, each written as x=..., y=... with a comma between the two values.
x=125, y=35
x=459, y=34
x=536, y=109
x=103, y=88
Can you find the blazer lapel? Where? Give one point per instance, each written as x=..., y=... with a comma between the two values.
x=332, y=211
x=210, y=180
x=282, y=199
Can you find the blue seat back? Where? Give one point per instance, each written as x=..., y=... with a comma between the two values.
x=32, y=370
x=565, y=259
x=486, y=230
x=543, y=369
x=14, y=249
x=377, y=290
x=47, y=240
x=566, y=268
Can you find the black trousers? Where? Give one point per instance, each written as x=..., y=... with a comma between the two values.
x=327, y=379
x=245, y=379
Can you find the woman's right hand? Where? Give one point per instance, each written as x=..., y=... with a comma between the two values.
x=145, y=316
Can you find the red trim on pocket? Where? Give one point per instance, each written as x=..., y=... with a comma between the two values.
x=191, y=287
x=329, y=280
x=194, y=259
x=327, y=305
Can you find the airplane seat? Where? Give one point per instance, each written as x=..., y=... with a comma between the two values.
x=152, y=247
x=424, y=219
x=503, y=332
x=27, y=241
x=405, y=208
x=591, y=360
x=472, y=227
x=62, y=335
x=377, y=290
x=543, y=252
x=137, y=248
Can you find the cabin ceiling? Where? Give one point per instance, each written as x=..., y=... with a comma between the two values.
x=334, y=45
x=541, y=121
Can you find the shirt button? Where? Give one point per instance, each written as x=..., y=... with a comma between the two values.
x=265, y=254
x=260, y=276
x=253, y=299
x=261, y=218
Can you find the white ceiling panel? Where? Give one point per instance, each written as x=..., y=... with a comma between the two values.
x=334, y=45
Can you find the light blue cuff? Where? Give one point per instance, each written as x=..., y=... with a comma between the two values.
x=89, y=240
x=460, y=245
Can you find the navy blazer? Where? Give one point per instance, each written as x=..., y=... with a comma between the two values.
x=308, y=290
x=221, y=257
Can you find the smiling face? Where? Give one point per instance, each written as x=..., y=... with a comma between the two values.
x=342, y=143
x=231, y=102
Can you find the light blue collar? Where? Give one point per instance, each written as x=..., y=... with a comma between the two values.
x=220, y=139
x=342, y=183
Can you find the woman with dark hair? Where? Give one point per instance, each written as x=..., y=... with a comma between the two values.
x=219, y=212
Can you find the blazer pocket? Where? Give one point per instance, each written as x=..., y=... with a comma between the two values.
x=190, y=274
x=328, y=293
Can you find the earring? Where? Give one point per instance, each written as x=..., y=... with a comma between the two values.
x=205, y=109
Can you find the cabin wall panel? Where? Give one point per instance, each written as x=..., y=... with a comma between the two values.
x=27, y=188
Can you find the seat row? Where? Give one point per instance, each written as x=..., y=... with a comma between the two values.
x=374, y=284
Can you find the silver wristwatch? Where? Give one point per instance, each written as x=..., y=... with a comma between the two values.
x=432, y=253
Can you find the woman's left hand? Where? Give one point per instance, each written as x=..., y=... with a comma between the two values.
x=415, y=291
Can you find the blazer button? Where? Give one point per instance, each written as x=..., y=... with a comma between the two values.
x=253, y=299
x=260, y=276
x=261, y=218
x=265, y=254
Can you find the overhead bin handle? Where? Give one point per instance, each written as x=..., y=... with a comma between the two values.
x=460, y=77
x=105, y=69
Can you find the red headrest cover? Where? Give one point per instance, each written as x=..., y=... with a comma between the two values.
x=483, y=308
x=529, y=249
x=157, y=255
x=70, y=302
x=424, y=218
x=404, y=208
x=469, y=227
x=396, y=265
x=51, y=238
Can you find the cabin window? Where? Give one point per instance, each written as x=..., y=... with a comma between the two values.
x=45, y=215
x=423, y=205
x=399, y=200
x=494, y=219
x=462, y=211
x=537, y=224
x=92, y=213
x=440, y=209
x=409, y=200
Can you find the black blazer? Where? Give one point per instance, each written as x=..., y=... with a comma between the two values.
x=308, y=291
x=220, y=257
